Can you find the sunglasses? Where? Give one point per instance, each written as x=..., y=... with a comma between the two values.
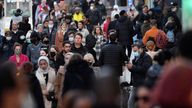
x=144, y=98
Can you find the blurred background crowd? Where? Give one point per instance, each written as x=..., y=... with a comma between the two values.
x=80, y=54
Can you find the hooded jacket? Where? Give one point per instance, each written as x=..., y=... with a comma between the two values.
x=79, y=76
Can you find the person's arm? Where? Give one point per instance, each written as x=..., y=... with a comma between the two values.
x=57, y=85
x=57, y=40
x=101, y=57
x=36, y=15
x=37, y=92
x=144, y=40
x=29, y=52
x=27, y=59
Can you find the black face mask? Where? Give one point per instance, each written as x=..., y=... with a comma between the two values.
x=46, y=42
x=52, y=54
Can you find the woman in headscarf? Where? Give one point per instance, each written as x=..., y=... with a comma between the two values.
x=46, y=76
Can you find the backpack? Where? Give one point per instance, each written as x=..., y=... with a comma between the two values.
x=161, y=39
x=170, y=36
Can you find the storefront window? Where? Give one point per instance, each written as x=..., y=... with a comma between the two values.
x=12, y=5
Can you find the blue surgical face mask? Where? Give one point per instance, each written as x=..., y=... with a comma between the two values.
x=136, y=54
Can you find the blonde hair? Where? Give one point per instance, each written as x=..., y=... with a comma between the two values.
x=89, y=58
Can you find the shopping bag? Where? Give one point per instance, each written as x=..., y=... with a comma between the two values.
x=126, y=76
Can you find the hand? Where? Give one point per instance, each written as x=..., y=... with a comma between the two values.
x=45, y=92
x=129, y=66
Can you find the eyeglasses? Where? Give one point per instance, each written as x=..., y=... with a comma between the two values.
x=143, y=98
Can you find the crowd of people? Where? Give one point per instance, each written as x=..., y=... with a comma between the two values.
x=74, y=56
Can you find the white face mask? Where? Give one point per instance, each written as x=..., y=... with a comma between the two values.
x=8, y=38
x=71, y=39
x=92, y=7
x=28, y=40
x=50, y=26
x=22, y=37
x=100, y=2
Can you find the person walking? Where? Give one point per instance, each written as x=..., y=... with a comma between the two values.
x=112, y=56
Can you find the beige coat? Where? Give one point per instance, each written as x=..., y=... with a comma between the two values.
x=59, y=84
x=49, y=87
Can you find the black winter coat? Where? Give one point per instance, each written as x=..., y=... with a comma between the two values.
x=6, y=49
x=35, y=89
x=112, y=25
x=79, y=76
x=113, y=56
x=16, y=36
x=82, y=50
x=94, y=16
x=59, y=60
x=90, y=44
x=125, y=31
x=140, y=68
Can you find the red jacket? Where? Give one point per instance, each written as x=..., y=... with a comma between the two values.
x=23, y=59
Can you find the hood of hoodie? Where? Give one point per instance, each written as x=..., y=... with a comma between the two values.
x=123, y=19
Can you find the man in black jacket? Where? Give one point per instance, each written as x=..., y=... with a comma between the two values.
x=78, y=47
x=93, y=15
x=17, y=35
x=112, y=56
x=140, y=66
x=112, y=24
x=61, y=56
x=138, y=69
x=125, y=31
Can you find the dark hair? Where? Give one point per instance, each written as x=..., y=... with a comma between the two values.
x=162, y=56
x=139, y=45
x=79, y=34
x=81, y=22
x=70, y=32
x=122, y=12
x=76, y=56
x=34, y=34
x=116, y=16
x=66, y=42
x=27, y=67
x=153, y=22
x=184, y=47
x=144, y=6
x=7, y=78
x=45, y=21
x=112, y=36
